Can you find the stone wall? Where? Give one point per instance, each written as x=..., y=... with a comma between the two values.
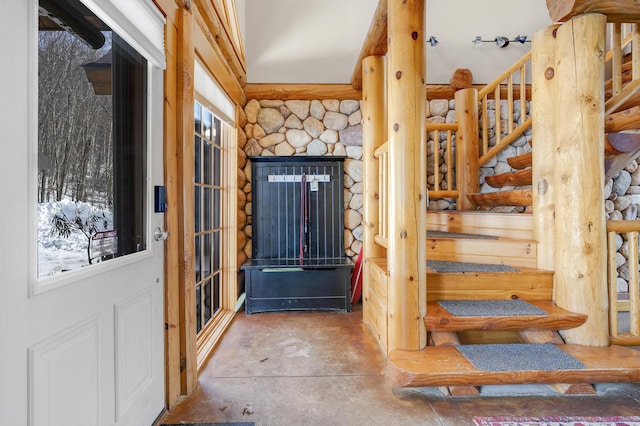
x=314, y=128
x=333, y=127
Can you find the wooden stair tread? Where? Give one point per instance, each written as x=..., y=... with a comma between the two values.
x=520, y=197
x=439, y=319
x=517, y=178
x=446, y=366
x=509, y=225
x=521, y=161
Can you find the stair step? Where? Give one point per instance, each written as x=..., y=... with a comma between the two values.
x=446, y=366
x=526, y=284
x=521, y=161
x=517, y=178
x=520, y=197
x=508, y=225
x=439, y=319
x=518, y=253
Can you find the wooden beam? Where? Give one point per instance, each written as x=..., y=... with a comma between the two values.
x=623, y=120
x=407, y=174
x=215, y=29
x=580, y=242
x=615, y=11
x=374, y=134
x=374, y=45
x=543, y=158
x=286, y=92
x=467, y=169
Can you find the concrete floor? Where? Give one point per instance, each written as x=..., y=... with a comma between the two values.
x=302, y=368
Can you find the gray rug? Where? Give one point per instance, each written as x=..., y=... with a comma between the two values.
x=443, y=234
x=447, y=266
x=519, y=357
x=489, y=308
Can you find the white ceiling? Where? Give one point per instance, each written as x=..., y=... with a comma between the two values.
x=318, y=41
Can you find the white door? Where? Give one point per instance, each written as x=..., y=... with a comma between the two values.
x=84, y=346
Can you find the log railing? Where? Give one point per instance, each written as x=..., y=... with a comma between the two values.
x=506, y=81
x=381, y=155
x=434, y=132
x=621, y=90
x=629, y=228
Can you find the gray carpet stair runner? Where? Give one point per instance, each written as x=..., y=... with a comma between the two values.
x=488, y=308
x=519, y=357
x=448, y=266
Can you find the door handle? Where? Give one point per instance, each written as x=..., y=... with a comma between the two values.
x=160, y=235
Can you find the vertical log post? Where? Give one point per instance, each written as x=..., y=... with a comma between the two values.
x=407, y=175
x=581, y=274
x=467, y=153
x=374, y=134
x=543, y=157
x=185, y=132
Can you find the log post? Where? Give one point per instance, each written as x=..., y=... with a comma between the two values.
x=407, y=175
x=374, y=134
x=543, y=158
x=581, y=275
x=467, y=154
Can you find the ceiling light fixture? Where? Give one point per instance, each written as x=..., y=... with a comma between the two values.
x=432, y=41
x=501, y=41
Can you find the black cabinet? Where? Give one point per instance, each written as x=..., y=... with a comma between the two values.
x=298, y=260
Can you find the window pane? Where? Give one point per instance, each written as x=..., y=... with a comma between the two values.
x=207, y=124
x=91, y=141
x=197, y=208
x=216, y=166
x=206, y=299
x=198, y=308
x=198, y=259
x=216, y=208
x=216, y=249
x=197, y=115
x=207, y=172
x=207, y=209
x=216, y=292
x=206, y=258
x=198, y=155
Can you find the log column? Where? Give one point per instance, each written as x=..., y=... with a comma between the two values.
x=543, y=163
x=467, y=154
x=407, y=174
x=581, y=272
x=374, y=134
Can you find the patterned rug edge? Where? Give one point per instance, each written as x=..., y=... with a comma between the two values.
x=558, y=421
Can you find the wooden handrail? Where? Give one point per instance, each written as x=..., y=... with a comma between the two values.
x=515, y=67
x=507, y=140
x=382, y=149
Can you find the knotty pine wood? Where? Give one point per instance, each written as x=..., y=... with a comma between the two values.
x=467, y=166
x=621, y=11
x=407, y=173
x=285, y=92
x=528, y=284
x=623, y=120
x=519, y=197
x=521, y=161
x=375, y=43
x=580, y=243
x=543, y=336
x=445, y=366
x=376, y=298
x=441, y=320
x=506, y=225
x=517, y=178
x=517, y=253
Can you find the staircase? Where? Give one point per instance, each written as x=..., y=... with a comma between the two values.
x=473, y=240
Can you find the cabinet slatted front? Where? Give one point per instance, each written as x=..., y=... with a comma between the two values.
x=298, y=260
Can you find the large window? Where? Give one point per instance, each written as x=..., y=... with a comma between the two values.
x=208, y=214
x=91, y=140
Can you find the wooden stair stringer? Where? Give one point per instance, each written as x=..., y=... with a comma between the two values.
x=446, y=366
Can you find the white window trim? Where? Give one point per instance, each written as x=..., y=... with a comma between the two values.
x=220, y=103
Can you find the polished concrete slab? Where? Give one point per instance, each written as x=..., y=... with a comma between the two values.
x=319, y=368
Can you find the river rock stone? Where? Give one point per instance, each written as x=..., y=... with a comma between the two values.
x=251, y=110
x=271, y=140
x=316, y=148
x=293, y=122
x=299, y=108
x=331, y=105
x=285, y=149
x=329, y=136
x=317, y=110
x=348, y=107
x=351, y=135
x=313, y=126
x=335, y=121
x=270, y=120
x=298, y=138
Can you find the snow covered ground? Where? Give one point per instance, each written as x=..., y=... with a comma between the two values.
x=56, y=253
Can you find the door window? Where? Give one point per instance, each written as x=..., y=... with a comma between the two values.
x=91, y=140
